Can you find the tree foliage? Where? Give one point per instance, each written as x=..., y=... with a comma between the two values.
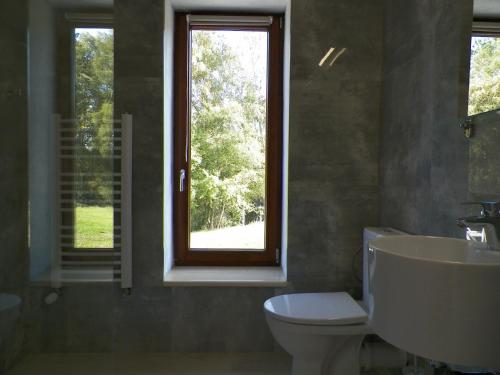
x=484, y=91
x=228, y=120
x=94, y=112
x=228, y=137
x=484, y=95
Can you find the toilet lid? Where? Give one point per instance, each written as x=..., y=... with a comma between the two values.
x=316, y=309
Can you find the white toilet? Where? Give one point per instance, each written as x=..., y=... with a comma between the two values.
x=323, y=332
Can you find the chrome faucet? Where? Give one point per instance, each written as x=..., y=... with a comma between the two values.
x=486, y=226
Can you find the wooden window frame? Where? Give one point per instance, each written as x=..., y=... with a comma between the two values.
x=487, y=28
x=270, y=256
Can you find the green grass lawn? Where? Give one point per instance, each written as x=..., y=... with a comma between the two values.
x=250, y=236
x=94, y=227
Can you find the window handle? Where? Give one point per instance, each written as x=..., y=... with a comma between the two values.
x=182, y=178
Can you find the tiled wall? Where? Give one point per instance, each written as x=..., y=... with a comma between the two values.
x=423, y=152
x=334, y=137
x=13, y=161
x=13, y=145
x=335, y=121
x=334, y=125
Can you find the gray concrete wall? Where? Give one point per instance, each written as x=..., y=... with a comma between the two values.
x=333, y=179
x=423, y=153
x=334, y=136
x=13, y=161
x=13, y=145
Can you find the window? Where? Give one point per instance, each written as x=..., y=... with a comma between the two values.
x=93, y=167
x=484, y=86
x=227, y=139
x=86, y=142
x=93, y=81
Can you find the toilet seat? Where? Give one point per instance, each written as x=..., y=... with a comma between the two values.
x=323, y=309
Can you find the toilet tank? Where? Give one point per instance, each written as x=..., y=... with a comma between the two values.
x=371, y=233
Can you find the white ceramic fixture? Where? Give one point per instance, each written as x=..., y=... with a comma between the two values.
x=324, y=331
x=436, y=297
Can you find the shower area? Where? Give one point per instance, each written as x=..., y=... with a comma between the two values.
x=81, y=91
x=66, y=167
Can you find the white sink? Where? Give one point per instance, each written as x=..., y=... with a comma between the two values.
x=437, y=297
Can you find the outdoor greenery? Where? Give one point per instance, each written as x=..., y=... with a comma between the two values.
x=484, y=91
x=95, y=227
x=228, y=120
x=94, y=112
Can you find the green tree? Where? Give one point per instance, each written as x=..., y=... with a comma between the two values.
x=228, y=137
x=484, y=91
x=94, y=112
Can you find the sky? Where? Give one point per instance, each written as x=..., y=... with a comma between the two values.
x=93, y=31
x=249, y=46
x=251, y=49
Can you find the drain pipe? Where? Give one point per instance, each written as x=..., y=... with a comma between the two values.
x=381, y=354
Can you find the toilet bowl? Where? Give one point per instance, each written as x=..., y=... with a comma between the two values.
x=323, y=332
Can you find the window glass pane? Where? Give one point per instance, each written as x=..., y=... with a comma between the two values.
x=228, y=139
x=484, y=87
x=93, y=164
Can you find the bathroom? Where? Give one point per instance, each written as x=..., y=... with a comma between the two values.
x=378, y=135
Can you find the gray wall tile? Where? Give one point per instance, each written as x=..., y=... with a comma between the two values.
x=334, y=126
x=423, y=153
x=334, y=132
x=334, y=148
x=13, y=166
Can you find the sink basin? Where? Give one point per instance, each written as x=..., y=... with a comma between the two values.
x=437, y=297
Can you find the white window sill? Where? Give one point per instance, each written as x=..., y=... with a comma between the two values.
x=225, y=276
x=66, y=277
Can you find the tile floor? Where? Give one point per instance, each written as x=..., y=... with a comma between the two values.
x=154, y=364
x=166, y=364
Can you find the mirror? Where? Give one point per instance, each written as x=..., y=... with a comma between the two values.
x=484, y=157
